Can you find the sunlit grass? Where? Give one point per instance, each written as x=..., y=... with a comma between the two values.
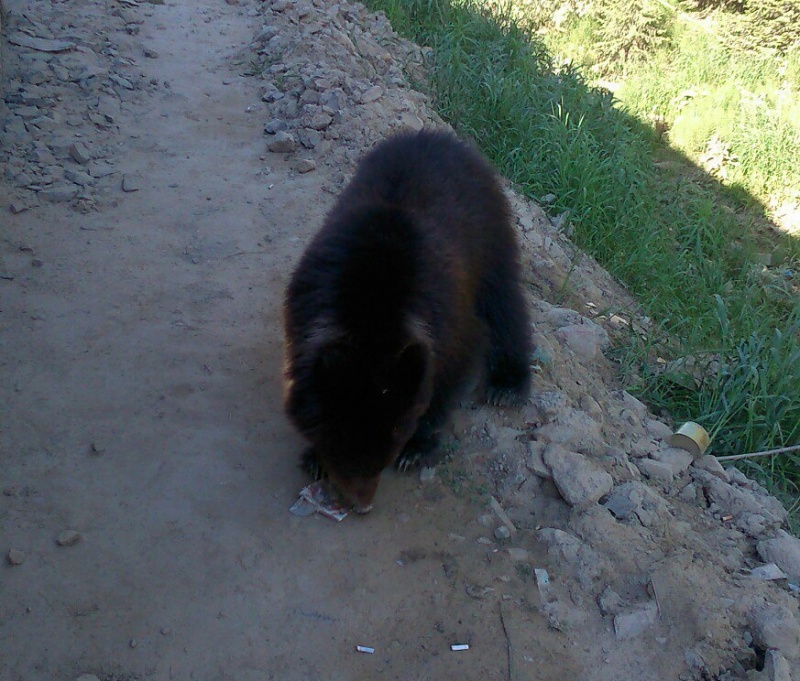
x=679, y=239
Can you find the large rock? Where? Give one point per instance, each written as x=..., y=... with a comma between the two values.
x=587, y=340
x=784, y=551
x=775, y=626
x=579, y=481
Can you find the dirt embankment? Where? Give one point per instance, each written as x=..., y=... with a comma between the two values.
x=164, y=165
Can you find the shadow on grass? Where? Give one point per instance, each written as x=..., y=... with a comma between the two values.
x=714, y=274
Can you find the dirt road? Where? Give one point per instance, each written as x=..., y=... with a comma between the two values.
x=141, y=392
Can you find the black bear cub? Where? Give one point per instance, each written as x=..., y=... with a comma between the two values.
x=410, y=287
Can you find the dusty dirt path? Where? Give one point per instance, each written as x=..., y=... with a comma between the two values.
x=142, y=381
x=141, y=400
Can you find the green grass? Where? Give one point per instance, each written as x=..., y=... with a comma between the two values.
x=681, y=241
x=706, y=90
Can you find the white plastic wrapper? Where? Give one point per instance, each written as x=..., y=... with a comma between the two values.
x=320, y=497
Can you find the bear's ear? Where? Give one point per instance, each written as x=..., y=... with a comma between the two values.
x=411, y=374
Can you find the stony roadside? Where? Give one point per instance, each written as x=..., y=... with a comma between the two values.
x=569, y=533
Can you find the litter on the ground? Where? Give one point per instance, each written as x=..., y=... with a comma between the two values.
x=459, y=646
x=692, y=437
x=365, y=649
x=320, y=497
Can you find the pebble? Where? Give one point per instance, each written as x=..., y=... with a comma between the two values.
x=99, y=169
x=631, y=624
x=130, y=183
x=710, y=464
x=768, y=572
x=305, y=165
x=427, y=474
x=776, y=667
x=658, y=429
x=275, y=125
x=784, y=551
x=775, y=626
x=579, y=481
x=610, y=602
x=282, y=142
x=320, y=121
x=372, y=95
x=68, y=538
x=587, y=340
x=15, y=557
x=79, y=153
x=655, y=470
x=58, y=193
x=519, y=555
x=536, y=462
x=78, y=177
x=501, y=532
x=678, y=460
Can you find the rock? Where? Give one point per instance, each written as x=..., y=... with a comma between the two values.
x=18, y=206
x=579, y=481
x=536, y=462
x=501, y=532
x=79, y=153
x=658, y=430
x=678, y=460
x=624, y=500
x=58, y=193
x=587, y=340
x=572, y=555
x=632, y=404
x=149, y=53
x=78, y=177
x=282, y=142
x=68, y=538
x=40, y=44
x=518, y=555
x=776, y=667
x=502, y=516
x=130, y=183
x=427, y=474
x=775, y=626
x=547, y=406
x=610, y=602
x=655, y=470
x=305, y=165
x=710, y=464
x=372, y=95
x=574, y=429
x=631, y=624
x=591, y=407
x=784, y=551
x=768, y=572
x=275, y=125
x=15, y=557
x=741, y=503
x=320, y=121
x=98, y=169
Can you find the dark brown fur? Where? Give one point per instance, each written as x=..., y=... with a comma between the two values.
x=410, y=286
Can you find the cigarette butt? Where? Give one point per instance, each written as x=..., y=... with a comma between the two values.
x=726, y=518
x=460, y=646
x=365, y=649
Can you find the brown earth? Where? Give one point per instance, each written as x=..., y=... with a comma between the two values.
x=142, y=275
